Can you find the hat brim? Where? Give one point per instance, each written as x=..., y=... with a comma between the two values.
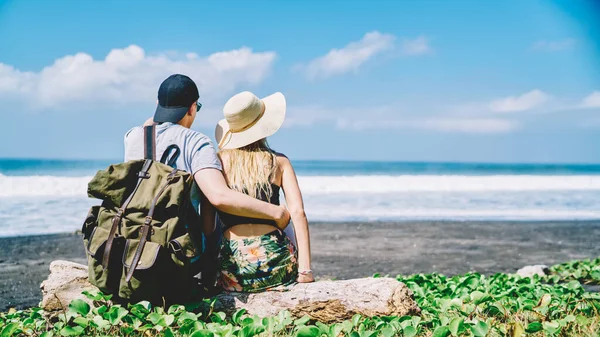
x=173, y=115
x=267, y=125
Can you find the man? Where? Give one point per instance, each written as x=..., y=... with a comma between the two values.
x=176, y=111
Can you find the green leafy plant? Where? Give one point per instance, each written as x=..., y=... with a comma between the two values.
x=462, y=305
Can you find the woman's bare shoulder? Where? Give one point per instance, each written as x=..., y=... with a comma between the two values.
x=282, y=159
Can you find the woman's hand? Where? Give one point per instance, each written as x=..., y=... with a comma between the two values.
x=305, y=277
x=284, y=218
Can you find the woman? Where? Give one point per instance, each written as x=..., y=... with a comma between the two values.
x=254, y=254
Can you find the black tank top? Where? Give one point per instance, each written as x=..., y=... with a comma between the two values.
x=230, y=220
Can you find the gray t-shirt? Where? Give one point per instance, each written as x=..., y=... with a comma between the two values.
x=197, y=150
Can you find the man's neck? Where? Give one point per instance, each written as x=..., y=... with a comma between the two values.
x=184, y=124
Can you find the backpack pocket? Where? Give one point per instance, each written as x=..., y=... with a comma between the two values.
x=90, y=223
x=107, y=280
x=148, y=279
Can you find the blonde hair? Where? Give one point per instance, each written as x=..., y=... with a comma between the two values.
x=250, y=169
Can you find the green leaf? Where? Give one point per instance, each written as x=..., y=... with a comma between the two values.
x=218, y=317
x=336, y=329
x=478, y=297
x=409, y=331
x=269, y=324
x=302, y=320
x=115, y=314
x=347, y=326
x=202, y=333
x=237, y=316
x=368, y=333
x=252, y=330
x=534, y=327
x=308, y=331
x=168, y=333
x=480, y=329
x=96, y=296
x=140, y=309
x=175, y=309
x=101, y=323
x=356, y=319
x=187, y=317
x=376, y=275
x=81, y=321
x=100, y=310
x=324, y=329
x=551, y=328
x=9, y=329
x=388, y=331
x=47, y=334
x=441, y=331
x=456, y=326
x=71, y=331
x=80, y=306
x=582, y=320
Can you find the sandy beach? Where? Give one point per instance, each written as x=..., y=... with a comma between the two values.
x=349, y=250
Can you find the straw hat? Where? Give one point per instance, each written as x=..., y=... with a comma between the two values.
x=249, y=118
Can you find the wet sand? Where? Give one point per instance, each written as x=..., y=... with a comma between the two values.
x=350, y=250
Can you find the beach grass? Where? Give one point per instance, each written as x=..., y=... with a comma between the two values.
x=464, y=305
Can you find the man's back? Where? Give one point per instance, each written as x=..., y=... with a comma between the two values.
x=197, y=150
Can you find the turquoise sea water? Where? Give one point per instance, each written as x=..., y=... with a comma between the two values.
x=23, y=167
x=48, y=196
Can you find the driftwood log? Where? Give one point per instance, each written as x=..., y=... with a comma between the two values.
x=325, y=301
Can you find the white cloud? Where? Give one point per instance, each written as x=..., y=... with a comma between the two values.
x=549, y=46
x=457, y=125
x=386, y=117
x=527, y=101
x=349, y=58
x=592, y=100
x=417, y=46
x=129, y=75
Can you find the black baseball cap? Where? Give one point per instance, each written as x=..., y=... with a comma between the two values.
x=175, y=96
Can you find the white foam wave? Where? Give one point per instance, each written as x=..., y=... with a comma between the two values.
x=19, y=186
x=441, y=183
x=24, y=186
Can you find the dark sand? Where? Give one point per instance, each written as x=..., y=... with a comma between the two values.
x=349, y=250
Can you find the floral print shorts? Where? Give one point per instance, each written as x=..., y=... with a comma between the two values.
x=260, y=263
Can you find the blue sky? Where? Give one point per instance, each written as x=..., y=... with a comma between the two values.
x=477, y=81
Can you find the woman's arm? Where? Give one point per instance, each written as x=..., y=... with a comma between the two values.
x=213, y=185
x=207, y=211
x=293, y=198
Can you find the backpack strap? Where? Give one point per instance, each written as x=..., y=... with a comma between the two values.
x=167, y=153
x=150, y=142
x=146, y=228
x=143, y=174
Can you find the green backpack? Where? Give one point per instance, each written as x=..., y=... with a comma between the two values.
x=140, y=241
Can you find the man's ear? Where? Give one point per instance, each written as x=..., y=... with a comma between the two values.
x=192, y=109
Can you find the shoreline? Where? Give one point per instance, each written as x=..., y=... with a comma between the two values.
x=353, y=249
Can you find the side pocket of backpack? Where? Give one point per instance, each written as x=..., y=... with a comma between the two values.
x=148, y=281
x=90, y=223
x=107, y=280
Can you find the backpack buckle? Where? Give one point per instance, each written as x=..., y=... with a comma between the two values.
x=144, y=175
x=148, y=220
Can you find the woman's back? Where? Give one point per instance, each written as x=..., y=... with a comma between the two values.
x=261, y=168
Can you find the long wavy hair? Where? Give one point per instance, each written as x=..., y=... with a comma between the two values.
x=249, y=169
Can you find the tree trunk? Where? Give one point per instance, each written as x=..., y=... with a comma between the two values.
x=324, y=301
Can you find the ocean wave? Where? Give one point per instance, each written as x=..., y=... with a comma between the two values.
x=19, y=186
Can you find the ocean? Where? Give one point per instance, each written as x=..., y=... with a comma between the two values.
x=49, y=196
